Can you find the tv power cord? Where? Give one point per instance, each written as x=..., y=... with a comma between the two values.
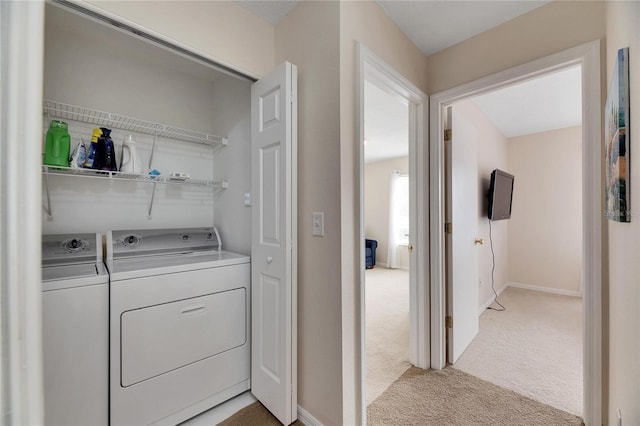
x=493, y=268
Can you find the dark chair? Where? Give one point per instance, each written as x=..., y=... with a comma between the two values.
x=370, y=252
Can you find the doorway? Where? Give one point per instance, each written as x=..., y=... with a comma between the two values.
x=387, y=234
x=588, y=58
x=526, y=239
x=406, y=251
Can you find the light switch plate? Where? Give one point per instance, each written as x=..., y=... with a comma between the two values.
x=318, y=224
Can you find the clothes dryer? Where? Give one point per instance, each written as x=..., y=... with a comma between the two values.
x=179, y=321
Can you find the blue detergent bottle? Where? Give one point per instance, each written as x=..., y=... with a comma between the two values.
x=107, y=151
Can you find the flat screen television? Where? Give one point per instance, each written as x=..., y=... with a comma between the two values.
x=500, y=195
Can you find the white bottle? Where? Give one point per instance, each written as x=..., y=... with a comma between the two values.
x=129, y=162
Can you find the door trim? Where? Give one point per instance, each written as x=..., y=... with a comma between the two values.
x=21, y=69
x=372, y=68
x=588, y=56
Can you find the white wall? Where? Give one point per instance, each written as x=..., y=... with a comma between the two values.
x=219, y=30
x=377, y=181
x=90, y=65
x=623, y=20
x=545, y=229
x=492, y=154
x=232, y=118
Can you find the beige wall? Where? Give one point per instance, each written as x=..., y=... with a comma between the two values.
x=545, y=230
x=220, y=30
x=492, y=154
x=551, y=28
x=623, y=22
x=363, y=22
x=377, y=183
x=309, y=38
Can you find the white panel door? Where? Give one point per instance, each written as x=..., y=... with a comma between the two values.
x=462, y=282
x=273, y=248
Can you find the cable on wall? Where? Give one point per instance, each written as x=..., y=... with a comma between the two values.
x=493, y=268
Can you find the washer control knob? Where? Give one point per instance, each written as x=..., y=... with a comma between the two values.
x=74, y=245
x=269, y=259
x=131, y=240
x=185, y=237
x=209, y=236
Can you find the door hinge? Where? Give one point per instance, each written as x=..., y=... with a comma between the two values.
x=449, y=321
x=447, y=134
x=448, y=228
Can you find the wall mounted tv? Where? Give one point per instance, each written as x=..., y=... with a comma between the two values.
x=500, y=195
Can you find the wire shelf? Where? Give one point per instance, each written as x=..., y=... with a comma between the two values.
x=111, y=120
x=100, y=174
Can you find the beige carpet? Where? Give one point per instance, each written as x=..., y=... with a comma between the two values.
x=254, y=415
x=452, y=397
x=387, y=328
x=533, y=348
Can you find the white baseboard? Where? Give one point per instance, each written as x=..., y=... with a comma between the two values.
x=306, y=418
x=491, y=299
x=545, y=289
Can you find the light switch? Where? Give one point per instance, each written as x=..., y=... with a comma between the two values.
x=318, y=224
x=247, y=199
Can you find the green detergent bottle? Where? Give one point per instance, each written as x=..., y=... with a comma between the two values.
x=58, y=144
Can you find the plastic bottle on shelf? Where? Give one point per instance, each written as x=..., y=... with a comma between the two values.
x=129, y=162
x=57, y=144
x=107, y=151
x=79, y=156
x=90, y=162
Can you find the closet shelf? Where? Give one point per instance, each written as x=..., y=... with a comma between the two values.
x=111, y=120
x=99, y=174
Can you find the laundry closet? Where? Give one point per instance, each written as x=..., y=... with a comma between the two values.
x=90, y=69
x=173, y=329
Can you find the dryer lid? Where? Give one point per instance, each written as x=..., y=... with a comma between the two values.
x=65, y=272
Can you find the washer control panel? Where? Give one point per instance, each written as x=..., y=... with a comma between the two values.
x=72, y=248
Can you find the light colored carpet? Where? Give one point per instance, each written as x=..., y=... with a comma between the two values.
x=387, y=328
x=254, y=415
x=452, y=397
x=533, y=348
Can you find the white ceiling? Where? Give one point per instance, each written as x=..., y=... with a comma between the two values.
x=546, y=103
x=435, y=25
x=386, y=125
x=272, y=11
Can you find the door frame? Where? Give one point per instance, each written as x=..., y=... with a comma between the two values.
x=21, y=69
x=374, y=69
x=587, y=56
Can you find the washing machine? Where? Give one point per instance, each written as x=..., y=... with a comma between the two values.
x=75, y=328
x=179, y=324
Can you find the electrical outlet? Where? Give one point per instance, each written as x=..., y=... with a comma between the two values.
x=247, y=199
x=619, y=417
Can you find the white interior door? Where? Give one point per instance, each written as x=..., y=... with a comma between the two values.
x=273, y=242
x=462, y=259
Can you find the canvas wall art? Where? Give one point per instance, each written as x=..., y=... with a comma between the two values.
x=616, y=141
